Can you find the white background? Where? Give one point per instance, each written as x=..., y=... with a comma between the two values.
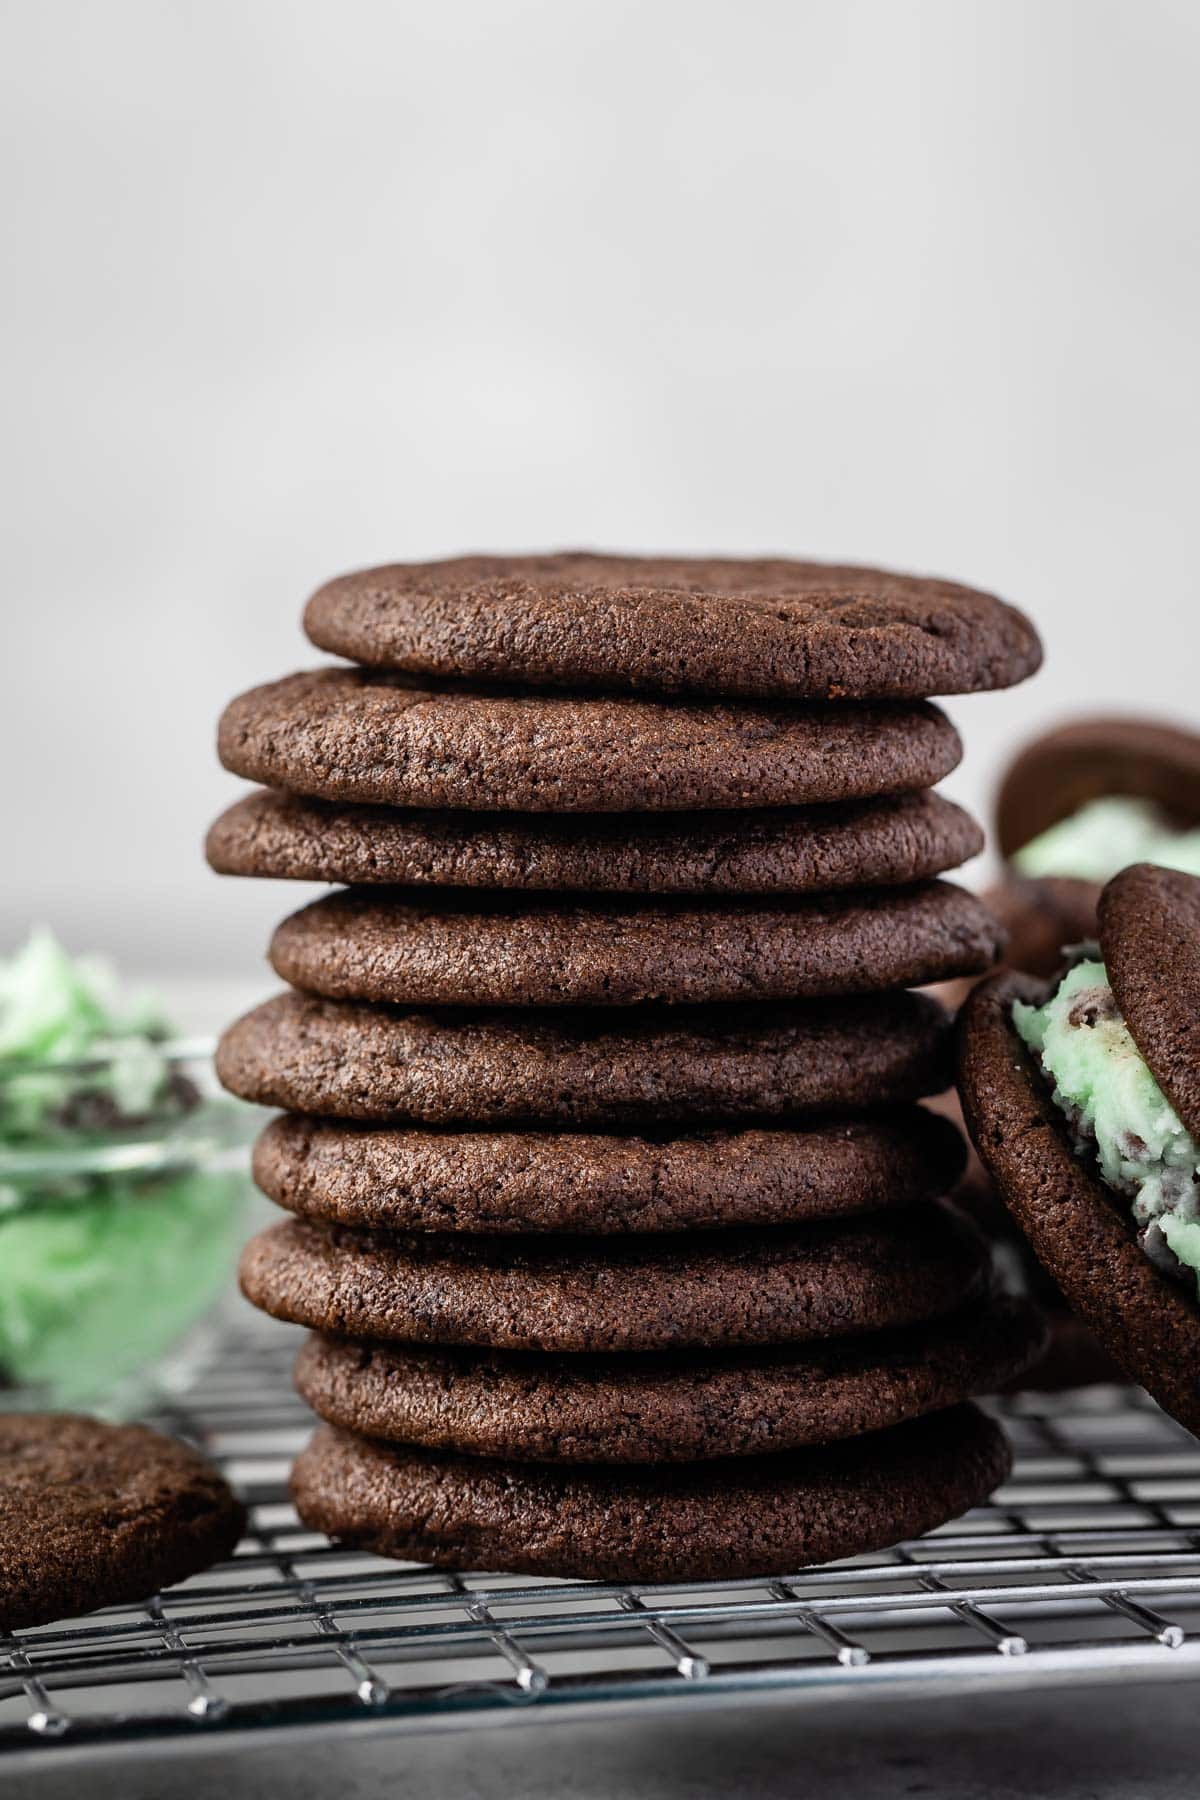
x=295, y=285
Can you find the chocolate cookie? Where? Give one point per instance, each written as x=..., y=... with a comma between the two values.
x=398, y=945
x=1095, y=759
x=1072, y=1357
x=765, y=627
x=814, y=849
x=673, y=1407
x=653, y=1067
x=93, y=1515
x=768, y=1515
x=1041, y=916
x=1150, y=938
x=362, y=735
x=1079, y=1229
x=504, y=1181
x=784, y=1285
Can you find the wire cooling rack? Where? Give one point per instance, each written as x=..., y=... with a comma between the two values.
x=1086, y=1567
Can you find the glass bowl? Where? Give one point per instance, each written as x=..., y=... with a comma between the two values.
x=124, y=1196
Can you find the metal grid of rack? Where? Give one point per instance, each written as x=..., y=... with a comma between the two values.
x=1086, y=1566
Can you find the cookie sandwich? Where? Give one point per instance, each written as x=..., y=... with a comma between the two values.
x=1082, y=1093
x=1078, y=805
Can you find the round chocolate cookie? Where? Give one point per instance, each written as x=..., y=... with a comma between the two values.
x=362, y=735
x=814, y=849
x=765, y=627
x=93, y=1515
x=1041, y=917
x=764, y=1515
x=514, y=1182
x=1080, y=1231
x=784, y=1285
x=1096, y=759
x=1150, y=939
x=670, y=1407
x=397, y=945
x=651, y=1067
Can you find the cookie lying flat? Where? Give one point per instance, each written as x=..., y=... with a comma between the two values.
x=665, y=1408
x=513, y=1182
x=677, y=625
x=1080, y=1229
x=362, y=735
x=785, y=1285
x=648, y=1067
x=93, y=1515
x=815, y=849
x=397, y=945
x=768, y=1515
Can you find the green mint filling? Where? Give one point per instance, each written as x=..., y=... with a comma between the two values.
x=1105, y=836
x=1117, y=1112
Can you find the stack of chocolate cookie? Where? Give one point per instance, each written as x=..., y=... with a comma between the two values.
x=612, y=1209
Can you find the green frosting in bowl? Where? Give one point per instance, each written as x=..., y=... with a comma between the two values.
x=1117, y=1113
x=122, y=1185
x=96, y=1292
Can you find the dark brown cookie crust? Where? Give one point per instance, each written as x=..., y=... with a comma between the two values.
x=1094, y=759
x=1072, y=1357
x=1150, y=939
x=665, y=1408
x=410, y=949
x=764, y=627
x=515, y=1182
x=813, y=849
x=1079, y=1230
x=1042, y=917
x=366, y=736
x=653, y=1067
x=767, y=1515
x=93, y=1514
x=785, y=1285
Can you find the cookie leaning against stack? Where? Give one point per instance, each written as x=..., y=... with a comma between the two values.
x=611, y=1210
